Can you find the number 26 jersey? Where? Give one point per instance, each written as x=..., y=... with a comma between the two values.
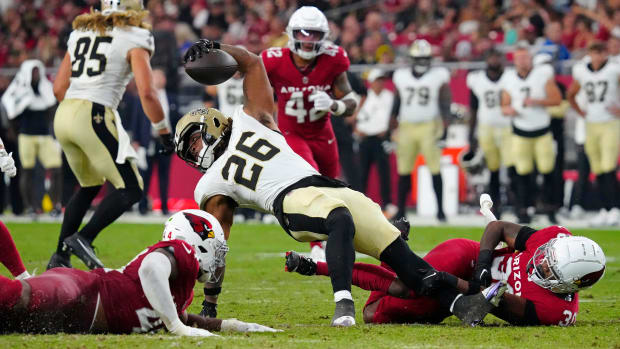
x=255, y=167
x=100, y=70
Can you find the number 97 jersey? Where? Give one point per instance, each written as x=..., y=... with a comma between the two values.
x=293, y=87
x=100, y=68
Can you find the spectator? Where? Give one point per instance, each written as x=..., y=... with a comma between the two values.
x=553, y=44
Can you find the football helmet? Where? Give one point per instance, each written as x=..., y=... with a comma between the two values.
x=421, y=52
x=567, y=264
x=472, y=162
x=212, y=126
x=307, y=25
x=201, y=230
x=109, y=6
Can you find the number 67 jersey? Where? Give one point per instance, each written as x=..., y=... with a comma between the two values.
x=100, y=70
x=255, y=167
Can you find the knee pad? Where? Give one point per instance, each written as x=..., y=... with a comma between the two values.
x=340, y=219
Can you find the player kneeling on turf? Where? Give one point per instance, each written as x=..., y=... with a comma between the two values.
x=152, y=291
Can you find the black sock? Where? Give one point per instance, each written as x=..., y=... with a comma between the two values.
x=340, y=253
x=56, y=187
x=26, y=187
x=408, y=266
x=438, y=187
x=494, y=189
x=523, y=191
x=548, y=184
x=606, y=185
x=404, y=186
x=110, y=208
x=514, y=180
x=75, y=210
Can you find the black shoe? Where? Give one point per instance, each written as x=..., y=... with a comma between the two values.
x=552, y=218
x=402, y=224
x=59, y=261
x=441, y=217
x=208, y=309
x=471, y=310
x=300, y=264
x=83, y=250
x=344, y=314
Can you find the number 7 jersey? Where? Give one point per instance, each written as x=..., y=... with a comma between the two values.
x=100, y=69
x=255, y=167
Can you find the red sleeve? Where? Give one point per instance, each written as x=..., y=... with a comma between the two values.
x=342, y=62
x=543, y=235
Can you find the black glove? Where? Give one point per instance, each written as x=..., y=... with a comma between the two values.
x=209, y=309
x=167, y=143
x=482, y=271
x=198, y=48
x=433, y=280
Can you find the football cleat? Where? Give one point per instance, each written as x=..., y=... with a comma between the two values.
x=299, y=264
x=403, y=225
x=441, y=217
x=471, y=310
x=344, y=315
x=83, y=250
x=59, y=261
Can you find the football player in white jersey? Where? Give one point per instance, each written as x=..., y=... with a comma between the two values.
x=527, y=91
x=599, y=80
x=488, y=127
x=248, y=163
x=104, y=49
x=423, y=100
x=229, y=94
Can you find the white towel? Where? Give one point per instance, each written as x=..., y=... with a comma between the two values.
x=20, y=95
x=125, y=150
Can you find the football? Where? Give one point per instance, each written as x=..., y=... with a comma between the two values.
x=212, y=68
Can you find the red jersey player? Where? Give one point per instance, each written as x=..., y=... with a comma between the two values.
x=150, y=292
x=543, y=271
x=310, y=81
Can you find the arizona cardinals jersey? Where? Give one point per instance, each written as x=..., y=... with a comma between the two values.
x=126, y=307
x=293, y=87
x=100, y=70
x=419, y=96
x=532, y=118
x=488, y=93
x=600, y=89
x=230, y=95
x=257, y=165
x=551, y=308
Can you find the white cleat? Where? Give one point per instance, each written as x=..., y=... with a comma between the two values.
x=576, y=212
x=600, y=219
x=344, y=321
x=613, y=217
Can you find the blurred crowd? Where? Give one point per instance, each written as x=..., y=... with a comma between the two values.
x=370, y=31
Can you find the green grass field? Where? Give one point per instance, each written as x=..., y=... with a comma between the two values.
x=257, y=290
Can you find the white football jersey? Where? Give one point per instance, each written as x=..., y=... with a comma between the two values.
x=230, y=95
x=374, y=115
x=488, y=93
x=100, y=70
x=257, y=165
x=532, y=86
x=600, y=89
x=419, y=97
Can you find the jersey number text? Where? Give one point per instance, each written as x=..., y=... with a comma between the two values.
x=82, y=48
x=254, y=151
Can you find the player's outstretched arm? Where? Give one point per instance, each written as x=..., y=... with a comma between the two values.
x=516, y=310
x=155, y=272
x=229, y=325
x=62, y=81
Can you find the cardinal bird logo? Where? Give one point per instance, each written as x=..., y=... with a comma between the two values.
x=201, y=226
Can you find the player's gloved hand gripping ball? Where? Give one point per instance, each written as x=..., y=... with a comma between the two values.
x=207, y=64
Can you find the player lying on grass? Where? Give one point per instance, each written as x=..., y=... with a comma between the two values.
x=247, y=162
x=150, y=292
x=543, y=269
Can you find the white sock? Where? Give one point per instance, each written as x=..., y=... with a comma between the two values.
x=340, y=295
x=23, y=276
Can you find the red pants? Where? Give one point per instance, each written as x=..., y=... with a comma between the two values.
x=320, y=152
x=61, y=300
x=457, y=257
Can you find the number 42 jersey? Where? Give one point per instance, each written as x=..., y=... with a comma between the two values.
x=256, y=166
x=100, y=70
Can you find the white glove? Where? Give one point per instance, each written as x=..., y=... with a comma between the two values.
x=235, y=325
x=7, y=164
x=322, y=101
x=180, y=329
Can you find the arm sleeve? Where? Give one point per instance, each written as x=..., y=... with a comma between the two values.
x=522, y=236
x=342, y=61
x=154, y=273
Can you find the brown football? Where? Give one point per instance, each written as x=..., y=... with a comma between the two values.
x=212, y=68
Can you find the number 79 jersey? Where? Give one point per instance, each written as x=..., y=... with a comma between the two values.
x=100, y=70
x=292, y=87
x=256, y=166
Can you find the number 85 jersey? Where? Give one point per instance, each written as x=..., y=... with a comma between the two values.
x=293, y=87
x=255, y=167
x=100, y=68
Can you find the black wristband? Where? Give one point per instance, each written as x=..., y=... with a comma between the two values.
x=473, y=288
x=216, y=44
x=485, y=258
x=212, y=291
